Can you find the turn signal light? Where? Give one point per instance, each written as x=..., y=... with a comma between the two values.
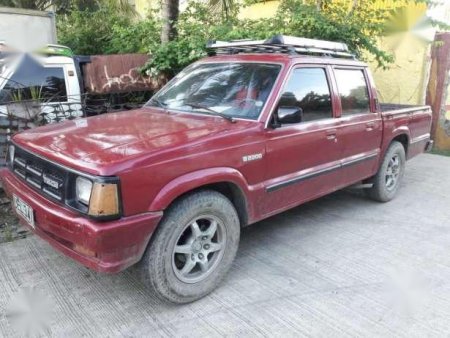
x=104, y=200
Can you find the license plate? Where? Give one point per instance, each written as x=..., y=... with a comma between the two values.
x=24, y=210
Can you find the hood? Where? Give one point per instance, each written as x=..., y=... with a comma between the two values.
x=92, y=144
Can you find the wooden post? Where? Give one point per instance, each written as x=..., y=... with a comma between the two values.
x=437, y=90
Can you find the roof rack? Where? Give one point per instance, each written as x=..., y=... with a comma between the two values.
x=281, y=44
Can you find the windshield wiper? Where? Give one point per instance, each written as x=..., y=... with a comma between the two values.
x=159, y=103
x=210, y=111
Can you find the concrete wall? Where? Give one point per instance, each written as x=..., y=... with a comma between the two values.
x=260, y=10
x=405, y=80
x=26, y=29
x=143, y=6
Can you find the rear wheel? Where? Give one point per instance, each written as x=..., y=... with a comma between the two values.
x=387, y=180
x=193, y=248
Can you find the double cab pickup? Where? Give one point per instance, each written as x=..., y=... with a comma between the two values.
x=255, y=129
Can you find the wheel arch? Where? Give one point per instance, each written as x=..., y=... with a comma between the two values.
x=402, y=135
x=404, y=140
x=227, y=181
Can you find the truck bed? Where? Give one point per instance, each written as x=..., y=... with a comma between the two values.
x=401, y=108
x=411, y=120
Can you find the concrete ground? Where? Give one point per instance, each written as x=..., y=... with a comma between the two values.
x=339, y=266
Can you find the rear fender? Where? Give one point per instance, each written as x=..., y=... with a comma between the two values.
x=401, y=130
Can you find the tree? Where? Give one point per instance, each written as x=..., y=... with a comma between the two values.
x=170, y=10
x=90, y=32
x=170, y=13
x=225, y=8
x=356, y=22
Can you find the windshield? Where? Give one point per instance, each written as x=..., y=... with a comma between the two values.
x=232, y=89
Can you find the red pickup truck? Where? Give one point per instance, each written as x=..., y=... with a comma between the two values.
x=256, y=129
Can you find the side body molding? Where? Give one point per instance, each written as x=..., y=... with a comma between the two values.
x=197, y=179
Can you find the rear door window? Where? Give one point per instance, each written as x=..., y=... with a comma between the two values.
x=353, y=91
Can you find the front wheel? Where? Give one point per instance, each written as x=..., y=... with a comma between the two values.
x=193, y=248
x=387, y=180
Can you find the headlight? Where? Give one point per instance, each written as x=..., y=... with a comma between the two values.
x=83, y=188
x=11, y=151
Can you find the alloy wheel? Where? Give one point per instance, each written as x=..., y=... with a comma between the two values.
x=393, y=172
x=199, y=249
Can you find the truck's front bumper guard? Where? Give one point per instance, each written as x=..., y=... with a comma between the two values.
x=102, y=246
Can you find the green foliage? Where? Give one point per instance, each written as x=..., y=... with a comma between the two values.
x=195, y=27
x=87, y=32
x=107, y=30
x=294, y=17
x=225, y=8
x=134, y=37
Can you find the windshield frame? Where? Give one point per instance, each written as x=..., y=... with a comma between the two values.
x=211, y=61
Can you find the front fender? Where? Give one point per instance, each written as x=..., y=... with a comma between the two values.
x=196, y=179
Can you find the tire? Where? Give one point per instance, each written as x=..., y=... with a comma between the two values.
x=185, y=262
x=387, y=180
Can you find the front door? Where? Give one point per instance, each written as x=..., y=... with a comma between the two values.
x=303, y=158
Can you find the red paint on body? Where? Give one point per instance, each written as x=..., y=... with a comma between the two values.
x=160, y=155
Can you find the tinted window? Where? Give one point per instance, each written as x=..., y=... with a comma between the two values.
x=32, y=81
x=235, y=89
x=308, y=89
x=353, y=91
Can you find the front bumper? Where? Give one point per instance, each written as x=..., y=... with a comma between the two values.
x=102, y=246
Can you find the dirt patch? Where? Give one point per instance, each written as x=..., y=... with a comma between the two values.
x=10, y=227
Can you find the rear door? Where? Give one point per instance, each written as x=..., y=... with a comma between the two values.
x=303, y=158
x=360, y=126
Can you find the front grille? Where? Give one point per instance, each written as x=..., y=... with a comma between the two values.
x=40, y=174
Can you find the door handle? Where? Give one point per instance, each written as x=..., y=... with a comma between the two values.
x=370, y=126
x=331, y=135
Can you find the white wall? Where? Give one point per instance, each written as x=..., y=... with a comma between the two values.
x=25, y=29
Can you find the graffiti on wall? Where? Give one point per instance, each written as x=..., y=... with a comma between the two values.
x=125, y=82
x=106, y=74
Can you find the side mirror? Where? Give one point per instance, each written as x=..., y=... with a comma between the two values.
x=286, y=115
